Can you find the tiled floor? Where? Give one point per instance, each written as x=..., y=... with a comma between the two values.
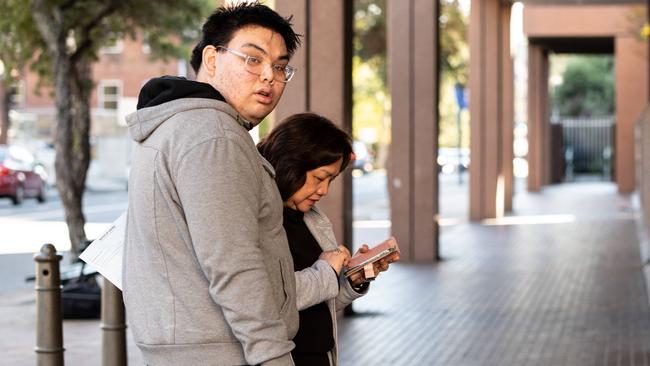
x=560, y=284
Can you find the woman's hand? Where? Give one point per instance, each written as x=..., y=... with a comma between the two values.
x=358, y=278
x=336, y=258
x=382, y=264
x=379, y=266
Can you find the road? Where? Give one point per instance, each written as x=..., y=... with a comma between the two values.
x=25, y=228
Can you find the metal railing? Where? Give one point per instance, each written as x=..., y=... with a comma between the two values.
x=588, y=145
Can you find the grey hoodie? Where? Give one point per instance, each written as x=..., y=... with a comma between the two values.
x=208, y=276
x=315, y=284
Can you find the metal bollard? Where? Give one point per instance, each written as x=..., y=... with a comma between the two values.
x=49, y=321
x=113, y=326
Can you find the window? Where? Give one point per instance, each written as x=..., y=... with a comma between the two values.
x=146, y=47
x=113, y=47
x=18, y=96
x=110, y=92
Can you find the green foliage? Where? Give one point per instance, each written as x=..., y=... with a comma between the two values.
x=448, y=121
x=17, y=37
x=454, y=52
x=371, y=107
x=369, y=43
x=454, y=58
x=587, y=88
x=369, y=69
x=370, y=38
x=370, y=26
x=369, y=100
x=167, y=26
x=61, y=39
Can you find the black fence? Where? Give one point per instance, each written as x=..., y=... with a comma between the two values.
x=588, y=145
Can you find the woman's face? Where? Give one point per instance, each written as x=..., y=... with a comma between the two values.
x=316, y=186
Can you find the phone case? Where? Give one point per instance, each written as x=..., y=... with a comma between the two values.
x=364, y=260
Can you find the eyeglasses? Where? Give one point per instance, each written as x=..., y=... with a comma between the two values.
x=255, y=65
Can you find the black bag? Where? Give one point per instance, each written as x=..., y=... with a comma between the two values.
x=81, y=297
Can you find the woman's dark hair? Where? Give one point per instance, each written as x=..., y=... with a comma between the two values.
x=220, y=27
x=301, y=143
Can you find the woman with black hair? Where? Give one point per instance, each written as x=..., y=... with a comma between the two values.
x=307, y=152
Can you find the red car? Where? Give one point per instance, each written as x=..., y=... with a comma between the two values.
x=20, y=175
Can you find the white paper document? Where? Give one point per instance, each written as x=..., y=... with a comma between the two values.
x=105, y=253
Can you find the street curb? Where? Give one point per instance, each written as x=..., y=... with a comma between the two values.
x=18, y=298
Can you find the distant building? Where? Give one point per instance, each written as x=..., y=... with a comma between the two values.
x=122, y=69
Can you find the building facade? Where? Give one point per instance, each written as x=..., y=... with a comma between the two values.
x=122, y=69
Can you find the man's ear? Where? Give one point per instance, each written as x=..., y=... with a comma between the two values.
x=209, y=60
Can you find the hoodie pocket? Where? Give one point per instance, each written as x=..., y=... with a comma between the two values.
x=284, y=272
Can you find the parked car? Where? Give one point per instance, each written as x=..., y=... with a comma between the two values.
x=364, y=159
x=20, y=175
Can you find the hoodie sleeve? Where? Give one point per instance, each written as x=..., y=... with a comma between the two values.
x=315, y=284
x=219, y=189
x=347, y=294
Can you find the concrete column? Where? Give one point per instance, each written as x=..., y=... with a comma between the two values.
x=538, y=123
x=323, y=85
x=413, y=80
x=546, y=120
x=296, y=93
x=508, y=108
x=631, y=99
x=489, y=28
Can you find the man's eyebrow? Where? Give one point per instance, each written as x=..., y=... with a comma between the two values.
x=253, y=45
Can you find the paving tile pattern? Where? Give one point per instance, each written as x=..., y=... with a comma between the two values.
x=569, y=293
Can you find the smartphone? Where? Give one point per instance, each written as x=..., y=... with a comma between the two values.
x=374, y=254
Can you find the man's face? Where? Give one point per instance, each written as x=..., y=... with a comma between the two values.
x=252, y=96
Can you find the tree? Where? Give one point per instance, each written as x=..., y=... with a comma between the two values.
x=454, y=60
x=454, y=53
x=13, y=53
x=63, y=38
x=369, y=43
x=5, y=105
x=587, y=88
x=369, y=67
x=370, y=37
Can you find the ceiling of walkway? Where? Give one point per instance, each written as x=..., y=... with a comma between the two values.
x=582, y=2
x=585, y=45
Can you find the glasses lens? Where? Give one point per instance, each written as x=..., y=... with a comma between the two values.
x=288, y=73
x=254, y=65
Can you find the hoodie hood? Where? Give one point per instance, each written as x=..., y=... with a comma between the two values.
x=167, y=88
x=161, y=98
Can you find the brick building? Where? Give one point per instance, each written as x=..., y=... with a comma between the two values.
x=119, y=74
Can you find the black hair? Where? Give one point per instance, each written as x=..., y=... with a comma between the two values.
x=220, y=27
x=301, y=143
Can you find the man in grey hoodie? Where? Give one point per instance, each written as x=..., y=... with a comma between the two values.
x=208, y=277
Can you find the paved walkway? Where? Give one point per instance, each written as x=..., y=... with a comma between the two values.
x=558, y=284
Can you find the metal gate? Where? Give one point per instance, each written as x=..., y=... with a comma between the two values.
x=588, y=145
